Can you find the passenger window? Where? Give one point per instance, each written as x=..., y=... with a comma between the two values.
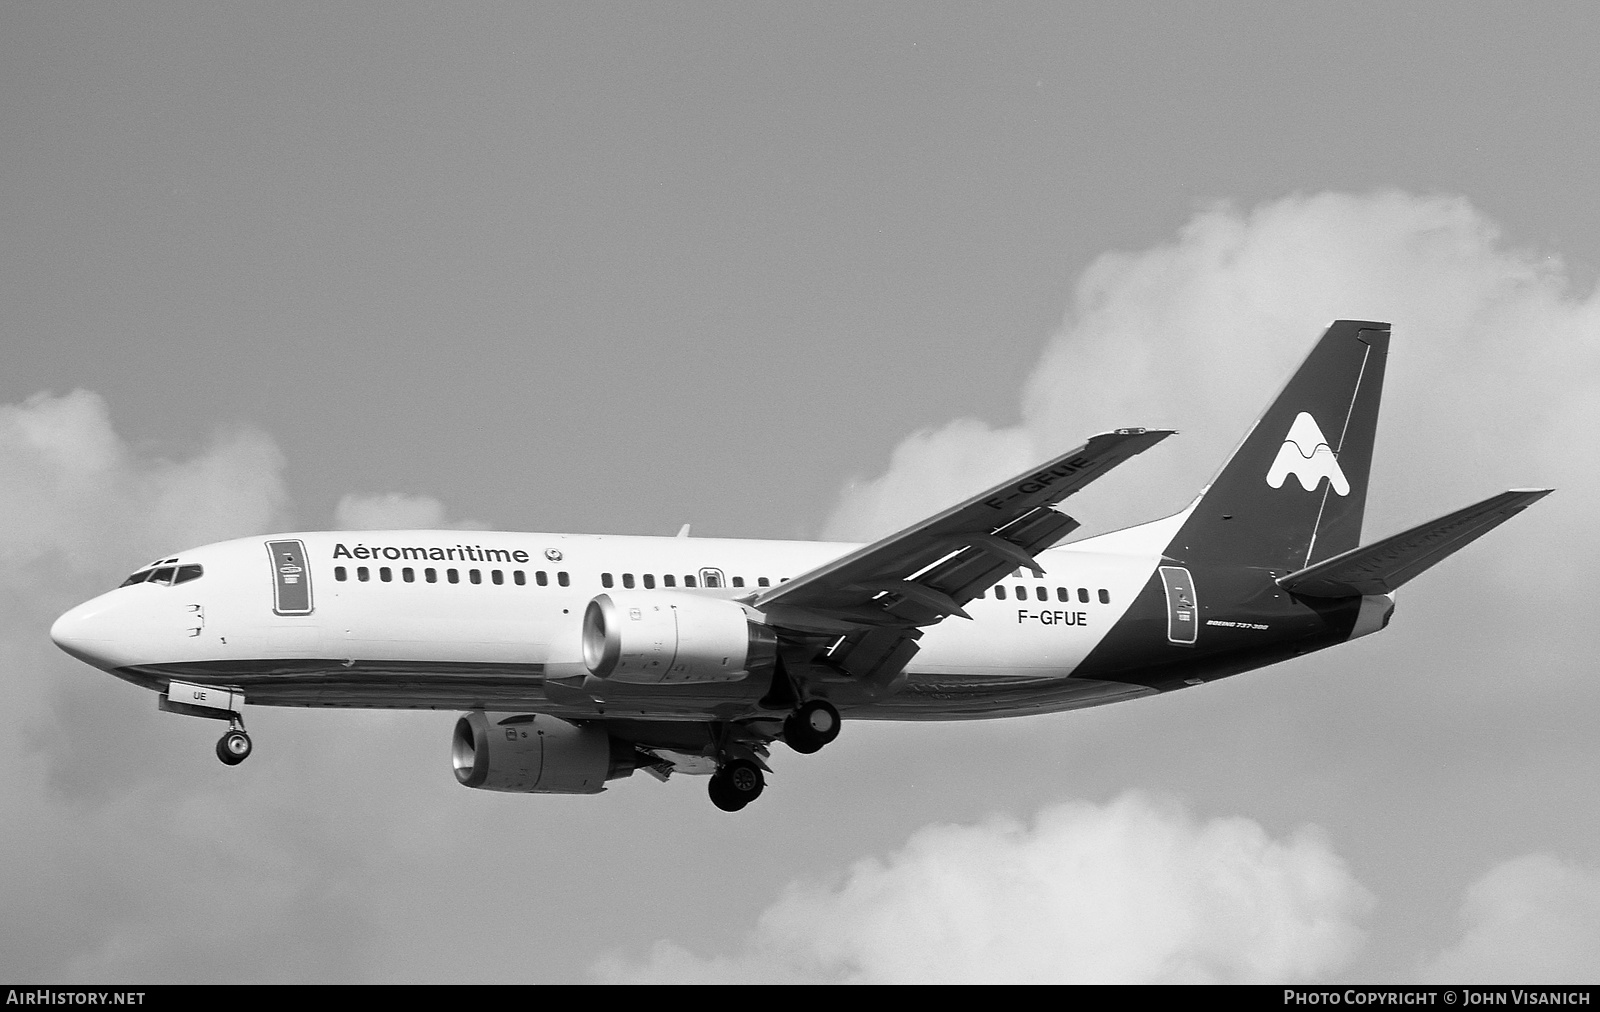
x=1062, y=594
x=475, y=575
x=1083, y=594
x=669, y=580
x=498, y=577
x=1041, y=593
x=999, y=592
x=541, y=578
x=187, y=573
x=408, y=574
x=452, y=575
x=983, y=595
x=363, y=574
x=763, y=582
x=1022, y=592
x=738, y=581
x=1105, y=596
x=518, y=578
x=339, y=573
x=605, y=580
x=688, y=581
x=563, y=579
x=431, y=575
x=385, y=574
x=627, y=581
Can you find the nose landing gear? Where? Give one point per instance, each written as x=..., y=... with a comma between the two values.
x=216, y=703
x=234, y=746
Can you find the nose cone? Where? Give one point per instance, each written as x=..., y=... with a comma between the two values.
x=84, y=632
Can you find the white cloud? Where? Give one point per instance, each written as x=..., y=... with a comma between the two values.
x=1133, y=891
x=395, y=511
x=136, y=870
x=384, y=512
x=1532, y=920
x=1492, y=357
x=74, y=488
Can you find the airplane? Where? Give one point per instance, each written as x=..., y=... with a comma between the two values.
x=579, y=659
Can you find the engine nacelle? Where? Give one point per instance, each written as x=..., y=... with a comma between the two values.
x=529, y=753
x=658, y=637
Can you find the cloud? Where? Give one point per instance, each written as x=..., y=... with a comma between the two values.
x=145, y=869
x=396, y=511
x=385, y=512
x=1532, y=920
x=76, y=491
x=1136, y=890
x=1491, y=355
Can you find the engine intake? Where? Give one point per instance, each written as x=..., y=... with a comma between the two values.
x=530, y=753
x=656, y=637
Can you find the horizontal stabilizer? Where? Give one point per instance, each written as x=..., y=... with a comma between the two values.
x=1382, y=566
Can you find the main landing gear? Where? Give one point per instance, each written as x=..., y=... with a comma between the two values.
x=812, y=725
x=234, y=747
x=740, y=779
x=735, y=784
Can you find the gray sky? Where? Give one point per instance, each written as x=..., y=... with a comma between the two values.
x=787, y=272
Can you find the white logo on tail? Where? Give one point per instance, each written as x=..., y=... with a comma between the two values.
x=1305, y=453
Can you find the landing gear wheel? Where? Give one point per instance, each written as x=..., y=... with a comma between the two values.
x=814, y=724
x=736, y=784
x=234, y=747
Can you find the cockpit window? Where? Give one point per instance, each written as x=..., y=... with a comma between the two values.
x=167, y=576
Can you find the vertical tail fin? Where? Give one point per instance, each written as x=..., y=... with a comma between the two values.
x=1294, y=491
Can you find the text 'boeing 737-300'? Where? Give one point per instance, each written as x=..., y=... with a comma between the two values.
x=579, y=659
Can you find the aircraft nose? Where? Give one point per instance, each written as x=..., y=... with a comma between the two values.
x=82, y=632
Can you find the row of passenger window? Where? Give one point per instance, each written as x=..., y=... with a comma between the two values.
x=1043, y=594
x=430, y=575
x=708, y=577
x=386, y=574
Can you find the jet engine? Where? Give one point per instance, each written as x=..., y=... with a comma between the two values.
x=530, y=753
x=656, y=637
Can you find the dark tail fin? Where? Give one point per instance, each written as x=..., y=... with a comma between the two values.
x=1294, y=491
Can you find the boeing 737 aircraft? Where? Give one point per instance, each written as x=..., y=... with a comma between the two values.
x=579, y=659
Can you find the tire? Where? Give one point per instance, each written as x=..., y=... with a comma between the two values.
x=812, y=725
x=722, y=794
x=234, y=748
x=736, y=784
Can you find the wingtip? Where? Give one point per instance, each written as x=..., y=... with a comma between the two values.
x=1137, y=431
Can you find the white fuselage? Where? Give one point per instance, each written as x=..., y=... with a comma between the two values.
x=472, y=619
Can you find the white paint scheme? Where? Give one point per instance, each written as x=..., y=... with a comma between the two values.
x=488, y=624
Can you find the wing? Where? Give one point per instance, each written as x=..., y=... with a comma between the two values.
x=872, y=602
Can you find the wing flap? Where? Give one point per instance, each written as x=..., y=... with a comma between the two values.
x=870, y=603
x=1381, y=567
x=960, y=552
